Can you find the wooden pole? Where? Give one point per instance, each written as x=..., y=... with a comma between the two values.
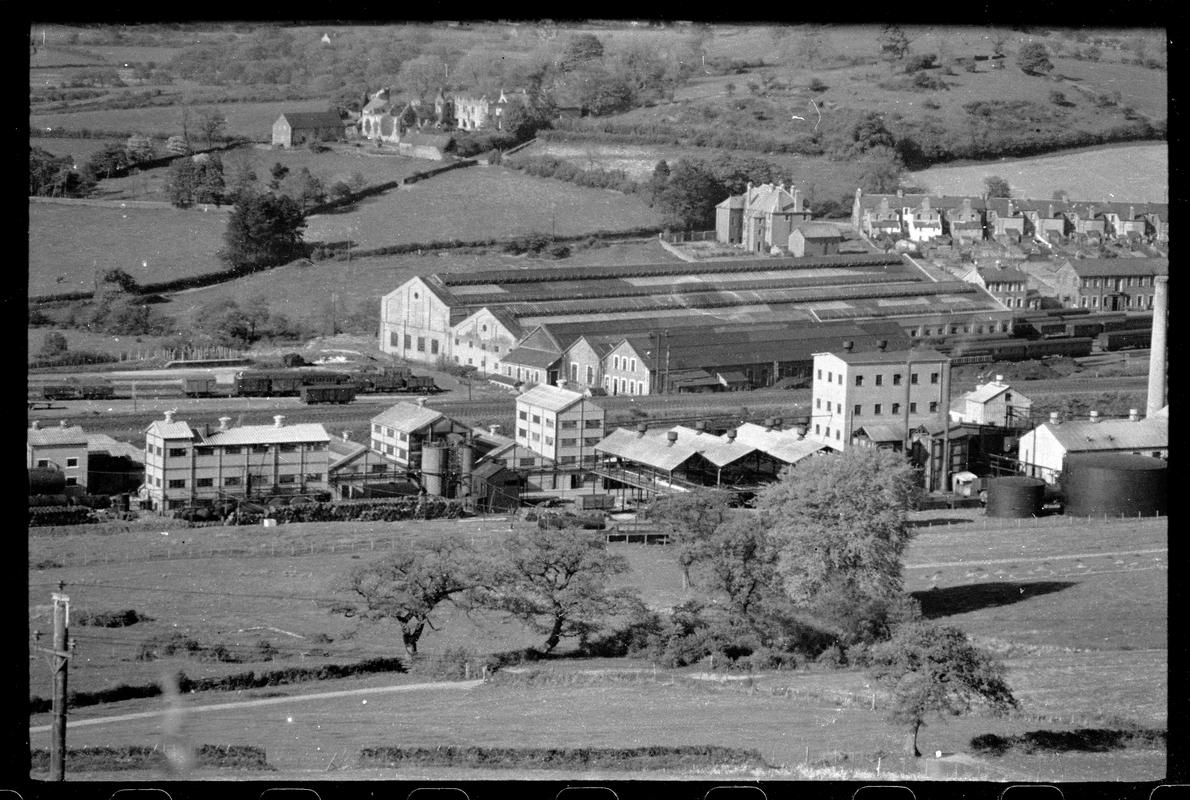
x=61, y=661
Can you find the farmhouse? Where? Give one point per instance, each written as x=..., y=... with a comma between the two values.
x=1043, y=450
x=63, y=448
x=722, y=316
x=1109, y=284
x=299, y=127
x=187, y=466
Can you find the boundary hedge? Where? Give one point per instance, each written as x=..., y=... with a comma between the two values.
x=625, y=758
x=139, y=756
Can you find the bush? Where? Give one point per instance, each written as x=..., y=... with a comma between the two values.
x=831, y=657
x=59, y=515
x=582, y=758
x=130, y=757
x=265, y=651
x=113, y=619
x=817, y=85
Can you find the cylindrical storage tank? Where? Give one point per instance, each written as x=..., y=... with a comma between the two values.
x=43, y=480
x=123, y=502
x=466, y=463
x=1115, y=485
x=433, y=456
x=1016, y=496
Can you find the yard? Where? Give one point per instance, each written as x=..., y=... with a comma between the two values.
x=480, y=203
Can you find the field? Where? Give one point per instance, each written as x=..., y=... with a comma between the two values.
x=480, y=203
x=1072, y=610
x=81, y=149
x=253, y=120
x=68, y=243
x=1124, y=173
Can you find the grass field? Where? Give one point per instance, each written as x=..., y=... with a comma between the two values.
x=478, y=203
x=1124, y=173
x=81, y=149
x=253, y=120
x=71, y=242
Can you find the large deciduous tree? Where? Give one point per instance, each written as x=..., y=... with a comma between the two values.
x=689, y=197
x=1034, y=59
x=689, y=518
x=930, y=669
x=263, y=230
x=894, y=44
x=411, y=584
x=556, y=581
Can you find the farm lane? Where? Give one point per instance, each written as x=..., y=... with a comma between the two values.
x=269, y=701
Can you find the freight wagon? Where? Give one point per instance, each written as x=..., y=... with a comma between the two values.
x=327, y=393
x=72, y=390
x=200, y=387
x=1122, y=340
x=278, y=383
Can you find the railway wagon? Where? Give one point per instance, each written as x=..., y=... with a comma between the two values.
x=327, y=393
x=199, y=387
x=1122, y=340
x=59, y=391
x=278, y=383
x=1075, y=347
x=95, y=390
x=420, y=383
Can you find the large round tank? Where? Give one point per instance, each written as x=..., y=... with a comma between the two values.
x=1016, y=496
x=1115, y=485
x=43, y=480
x=433, y=457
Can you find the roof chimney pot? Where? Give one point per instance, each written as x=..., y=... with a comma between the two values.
x=36, y=425
x=169, y=416
x=278, y=420
x=640, y=429
x=347, y=436
x=224, y=422
x=494, y=429
x=1094, y=416
x=999, y=379
x=882, y=344
x=672, y=436
x=768, y=423
x=421, y=401
x=731, y=436
x=848, y=344
x=62, y=423
x=777, y=422
x=700, y=426
x=1053, y=418
x=1133, y=415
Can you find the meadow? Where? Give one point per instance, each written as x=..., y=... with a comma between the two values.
x=251, y=120
x=1063, y=670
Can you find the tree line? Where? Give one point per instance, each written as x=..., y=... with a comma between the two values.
x=813, y=572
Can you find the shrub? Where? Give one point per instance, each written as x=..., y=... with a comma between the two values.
x=559, y=250
x=831, y=657
x=931, y=104
x=113, y=619
x=59, y=515
x=816, y=85
x=265, y=651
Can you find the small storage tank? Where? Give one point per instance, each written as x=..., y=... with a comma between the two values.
x=1016, y=496
x=433, y=458
x=1115, y=485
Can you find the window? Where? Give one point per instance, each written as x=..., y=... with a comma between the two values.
x=816, y=430
x=549, y=422
x=288, y=448
x=879, y=380
x=897, y=379
x=376, y=428
x=818, y=402
x=260, y=448
x=377, y=468
x=521, y=433
x=157, y=482
x=408, y=341
x=859, y=380
x=286, y=478
x=1008, y=397
x=527, y=462
x=819, y=374
x=593, y=423
x=827, y=431
x=421, y=344
x=456, y=341
x=896, y=408
x=828, y=405
x=878, y=409
x=233, y=480
x=402, y=454
x=858, y=410
x=549, y=441
x=838, y=434
x=591, y=441
x=840, y=378
x=954, y=329
x=158, y=448
x=434, y=346
x=913, y=379
x=42, y=462
x=566, y=460
x=388, y=448
x=314, y=477
x=402, y=436
x=632, y=365
x=231, y=451
x=631, y=387
x=72, y=462
x=204, y=451
x=177, y=503
x=483, y=347
x=913, y=408
x=934, y=377
x=1095, y=301
x=72, y=481
x=569, y=424
x=590, y=375
x=204, y=482
x=933, y=406
x=393, y=339
x=1082, y=302
x=616, y=362
x=522, y=414
x=829, y=377
x=573, y=371
x=469, y=361
x=568, y=442
x=536, y=419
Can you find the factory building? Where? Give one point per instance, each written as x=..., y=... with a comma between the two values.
x=187, y=466
x=992, y=403
x=1044, y=450
x=490, y=319
x=559, y=424
x=401, y=431
x=878, y=397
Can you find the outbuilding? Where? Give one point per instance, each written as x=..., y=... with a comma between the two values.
x=299, y=127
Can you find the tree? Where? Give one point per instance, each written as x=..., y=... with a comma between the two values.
x=931, y=669
x=738, y=561
x=109, y=160
x=423, y=74
x=995, y=186
x=580, y=48
x=411, y=584
x=118, y=280
x=524, y=120
x=689, y=518
x=894, y=44
x=841, y=520
x=1034, y=59
x=868, y=132
x=209, y=184
x=658, y=180
x=263, y=231
x=305, y=188
x=689, y=197
x=181, y=181
x=239, y=174
x=881, y=170
x=139, y=148
x=277, y=172
x=212, y=125
x=556, y=582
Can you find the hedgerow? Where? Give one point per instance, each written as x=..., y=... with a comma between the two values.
x=627, y=758
x=129, y=757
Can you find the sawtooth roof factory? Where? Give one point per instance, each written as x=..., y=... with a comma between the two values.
x=478, y=318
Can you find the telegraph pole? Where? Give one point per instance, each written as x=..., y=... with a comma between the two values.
x=60, y=660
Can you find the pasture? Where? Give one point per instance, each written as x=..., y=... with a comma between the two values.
x=479, y=203
x=252, y=120
x=1126, y=172
x=69, y=243
x=81, y=149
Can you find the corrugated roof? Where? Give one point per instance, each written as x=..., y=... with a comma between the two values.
x=102, y=443
x=1112, y=434
x=551, y=398
x=50, y=437
x=1098, y=267
x=882, y=433
x=170, y=430
x=407, y=417
x=987, y=391
x=652, y=449
x=269, y=434
x=719, y=450
x=784, y=445
x=342, y=452
x=530, y=357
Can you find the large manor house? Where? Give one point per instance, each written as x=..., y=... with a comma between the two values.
x=385, y=118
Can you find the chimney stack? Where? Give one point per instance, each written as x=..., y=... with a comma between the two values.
x=347, y=436
x=777, y=422
x=730, y=436
x=1053, y=418
x=560, y=383
x=494, y=429
x=700, y=426
x=999, y=379
x=672, y=436
x=421, y=402
x=1156, y=397
x=640, y=430
x=278, y=420
x=36, y=425
x=768, y=423
x=1094, y=416
x=169, y=416
x=1133, y=415
x=224, y=422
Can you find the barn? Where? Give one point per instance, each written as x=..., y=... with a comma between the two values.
x=298, y=127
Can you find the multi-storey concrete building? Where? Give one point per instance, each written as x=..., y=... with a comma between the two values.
x=562, y=425
x=401, y=431
x=897, y=389
x=187, y=466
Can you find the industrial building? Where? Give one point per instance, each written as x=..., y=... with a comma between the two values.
x=186, y=466
x=876, y=398
x=487, y=319
x=1044, y=450
x=992, y=403
x=400, y=431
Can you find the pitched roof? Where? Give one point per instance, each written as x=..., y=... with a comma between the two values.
x=733, y=201
x=1009, y=274
x=1095, y=267
x=300, y=120
x=782, y=444
x=170, y=430
x=984, y=393
x=269, y=434
x=407, y=417
x=889, y=356
x=102, y=443
x=818, y=230
x=417, y=139
x=529, y=357
x=551, y=398
x=882, y=433
x=1112, y=434
x=50, y=437
x=342, y=452
x=652, y=448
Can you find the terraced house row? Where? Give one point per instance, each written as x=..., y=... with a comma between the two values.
x=643, y=328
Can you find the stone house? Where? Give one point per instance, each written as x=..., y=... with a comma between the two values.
x=482, y=338
x=478, y=113
x=627, y=368
x=295, y=128
x=762, y=217
x=922, y=222
x=814, y=239
x=1109, y=284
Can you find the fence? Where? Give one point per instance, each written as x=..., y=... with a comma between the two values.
x=677, y=237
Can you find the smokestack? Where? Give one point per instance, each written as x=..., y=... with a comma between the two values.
x=672, y=436
x=224, y=422
x=1156, y=399
x=1094, y=416
x=1053, y=418
x=278, y=420
x=1133, y=415
x=169, y=417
